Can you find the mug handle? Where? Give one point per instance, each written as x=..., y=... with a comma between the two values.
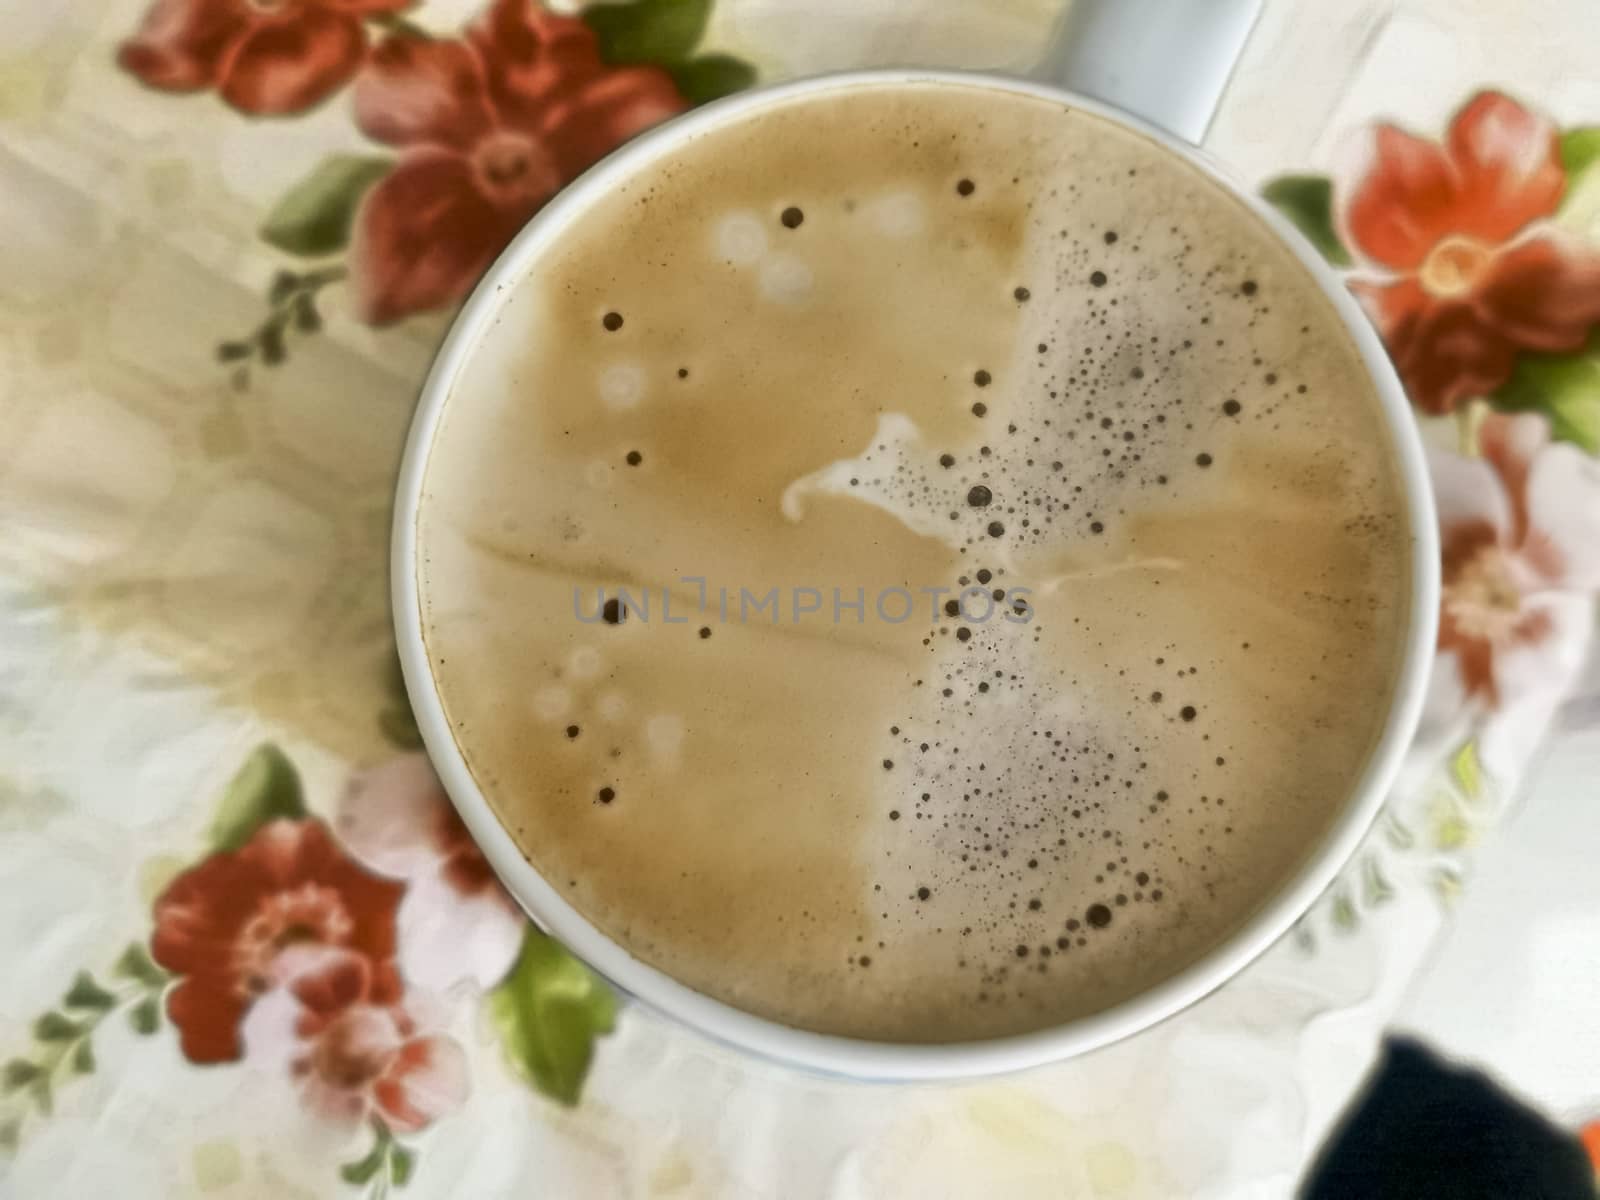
x=1164, y=60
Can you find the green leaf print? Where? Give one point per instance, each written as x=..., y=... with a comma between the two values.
x=648, y=31
x=314, y=217
x=1580, y=150
x=1565, y=387
x=265, y=788
x=1307, y=200
x=549, y=1011
x=712, y=76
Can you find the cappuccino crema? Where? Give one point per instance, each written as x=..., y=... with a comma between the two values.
x=917, y=562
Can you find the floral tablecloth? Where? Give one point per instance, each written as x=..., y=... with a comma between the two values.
x=247, y=948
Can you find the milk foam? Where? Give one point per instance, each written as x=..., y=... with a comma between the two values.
x=1009, y=351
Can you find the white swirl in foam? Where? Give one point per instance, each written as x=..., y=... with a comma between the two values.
x=894, y=429
x=895, y=452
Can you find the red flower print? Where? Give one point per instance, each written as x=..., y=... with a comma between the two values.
x=353, y=1052
x=1520, y=535
x=268, y=57
x=243, y=922
x=1589, y=1135
x=456, y=922
x=491, y=126
x=1475, y=273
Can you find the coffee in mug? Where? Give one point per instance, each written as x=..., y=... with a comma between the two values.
x=917, y=561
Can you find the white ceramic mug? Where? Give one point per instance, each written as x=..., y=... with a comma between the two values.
x=1157, y=67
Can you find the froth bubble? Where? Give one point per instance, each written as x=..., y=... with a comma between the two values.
x=584, y=663
x=664, y=733
x=741, y=238
x=899, y=214
x=786, y=279
x=622, y=386
x=612, y=706
x=552, y=703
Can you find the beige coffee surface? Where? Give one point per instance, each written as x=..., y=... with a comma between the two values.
x=916, y=337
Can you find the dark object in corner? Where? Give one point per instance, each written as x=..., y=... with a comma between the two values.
x=1426, y=1130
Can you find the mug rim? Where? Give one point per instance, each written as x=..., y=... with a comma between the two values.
x=829, y=1053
